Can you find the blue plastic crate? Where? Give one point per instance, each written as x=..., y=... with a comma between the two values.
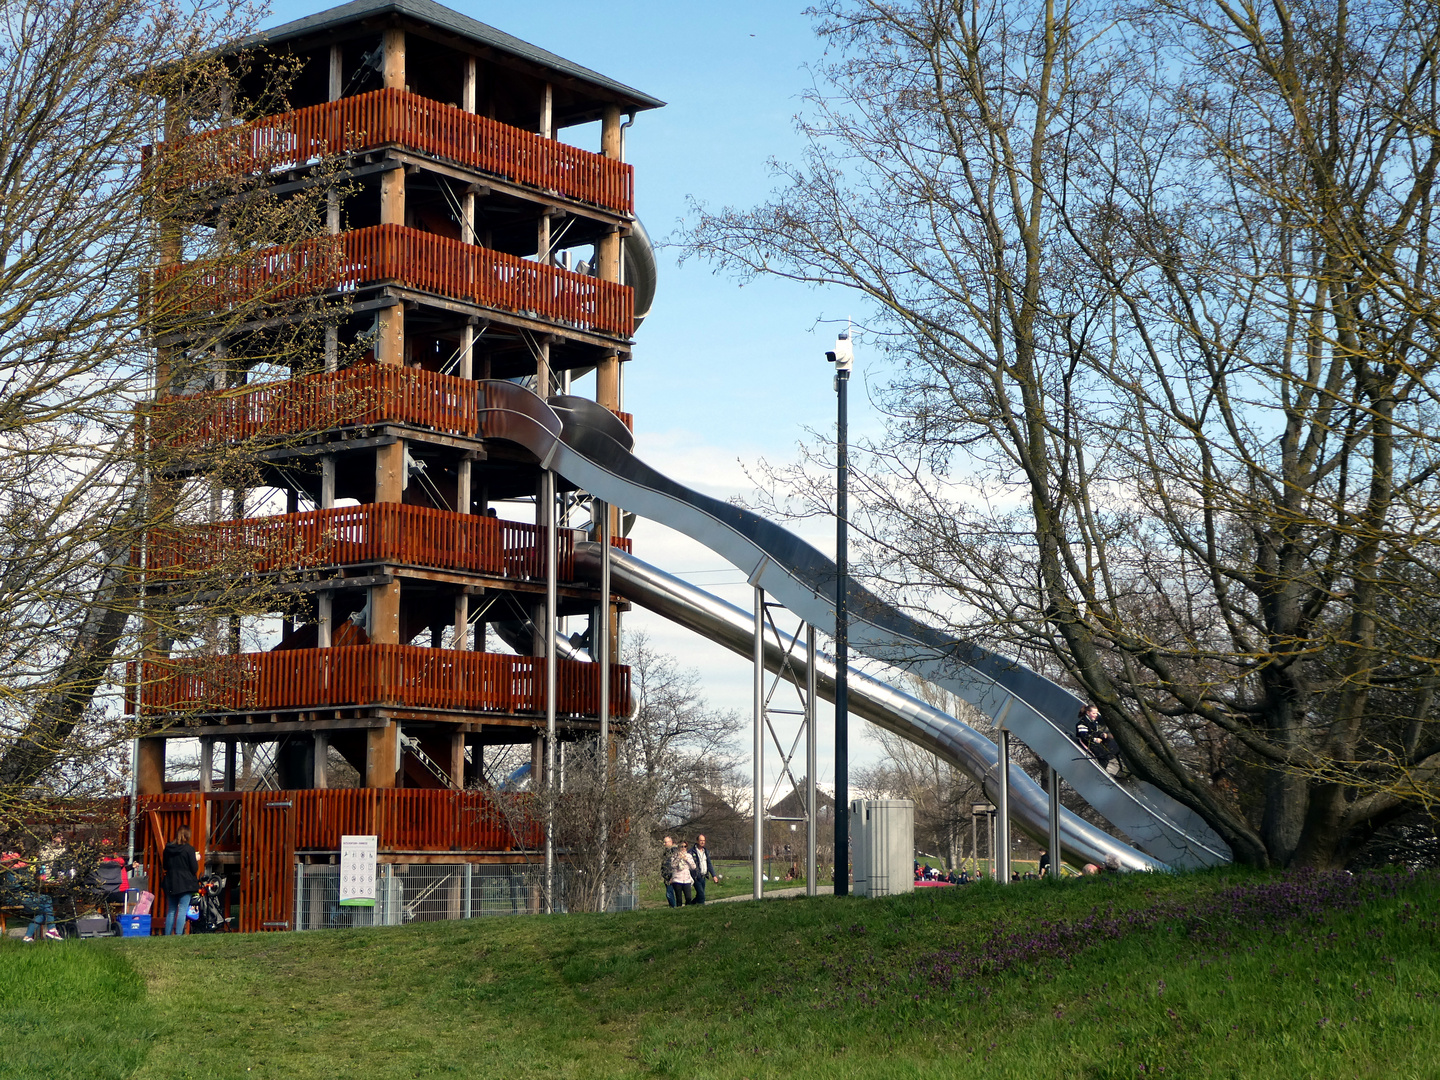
x=134, y=925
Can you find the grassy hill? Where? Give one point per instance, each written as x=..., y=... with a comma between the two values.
x=1222, y=974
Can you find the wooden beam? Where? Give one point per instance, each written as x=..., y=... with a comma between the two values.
x=380, y=756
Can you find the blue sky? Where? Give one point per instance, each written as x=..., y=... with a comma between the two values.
x=722, y=376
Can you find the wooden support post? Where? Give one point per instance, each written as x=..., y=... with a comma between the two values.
x=150, y=777
x=467, y=102
x=382, y=755
x=207, y=762
x=321, y=779
x=547, y=131
x=607, y=252
x=390, y=472
x=229, y=764
x=544, y=379
x=460, y=634
x=337, y=72
x=457, y=758
x=390, y=342
x=385, y=614
x=393, y=61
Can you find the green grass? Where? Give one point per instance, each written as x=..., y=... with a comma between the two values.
x=68, y=1010
x=1158, y=976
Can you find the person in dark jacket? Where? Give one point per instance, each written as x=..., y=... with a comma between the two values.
x=704, y=868
x=180, y=877
x=1091, y=736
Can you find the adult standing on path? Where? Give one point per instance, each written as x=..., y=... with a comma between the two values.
x=681, y=864
x=704, y=868
x=180, y=877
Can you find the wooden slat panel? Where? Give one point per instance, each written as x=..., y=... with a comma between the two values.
x=349, y=535
x=401, y=675
x=302, y=137
x=360, y=395
x=323, y=817
x=267, y=861
x=410, y=257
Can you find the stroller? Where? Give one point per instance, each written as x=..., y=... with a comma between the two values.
x=209, y=900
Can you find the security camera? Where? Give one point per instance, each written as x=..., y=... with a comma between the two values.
x=843, y=356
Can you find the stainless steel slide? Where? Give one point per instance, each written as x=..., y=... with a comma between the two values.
x=590, y=447
x=876, y=701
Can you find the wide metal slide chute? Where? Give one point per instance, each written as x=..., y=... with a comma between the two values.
x=590, y=447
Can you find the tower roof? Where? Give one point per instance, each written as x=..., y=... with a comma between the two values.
x=472, y=31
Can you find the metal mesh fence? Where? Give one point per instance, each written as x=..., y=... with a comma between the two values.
x=430, y=892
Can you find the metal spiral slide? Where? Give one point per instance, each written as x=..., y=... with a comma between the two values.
x=590, y=447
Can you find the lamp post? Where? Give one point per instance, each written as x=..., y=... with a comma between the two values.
x=843, y=357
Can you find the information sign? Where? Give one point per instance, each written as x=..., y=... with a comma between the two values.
x=358, y=855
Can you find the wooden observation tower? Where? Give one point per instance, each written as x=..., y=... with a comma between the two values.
x=466, y=243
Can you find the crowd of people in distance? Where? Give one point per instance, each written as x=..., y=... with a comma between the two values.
x=686, y=869
x=32, y=883
x=924, y=872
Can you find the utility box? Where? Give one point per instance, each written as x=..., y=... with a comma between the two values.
x=882, y=845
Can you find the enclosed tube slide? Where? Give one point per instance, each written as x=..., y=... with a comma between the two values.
x=590, y=447
x=641, y=272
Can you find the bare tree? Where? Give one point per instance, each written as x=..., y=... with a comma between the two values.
x=606, y=810
x=95, y=90
x=673, y=734
x=601, y=860
x=1156, y=287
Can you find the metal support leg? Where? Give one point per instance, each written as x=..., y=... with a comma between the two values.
x=1054, y=785
x=758, y=752
x=552, y=557
x=600, y=653
x=812, y=883
x=1002, y=812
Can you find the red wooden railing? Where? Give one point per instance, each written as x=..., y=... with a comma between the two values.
x=399, y=675
x=409, y=257
x=362, y=394
x=350, y=535
x=295, y=139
